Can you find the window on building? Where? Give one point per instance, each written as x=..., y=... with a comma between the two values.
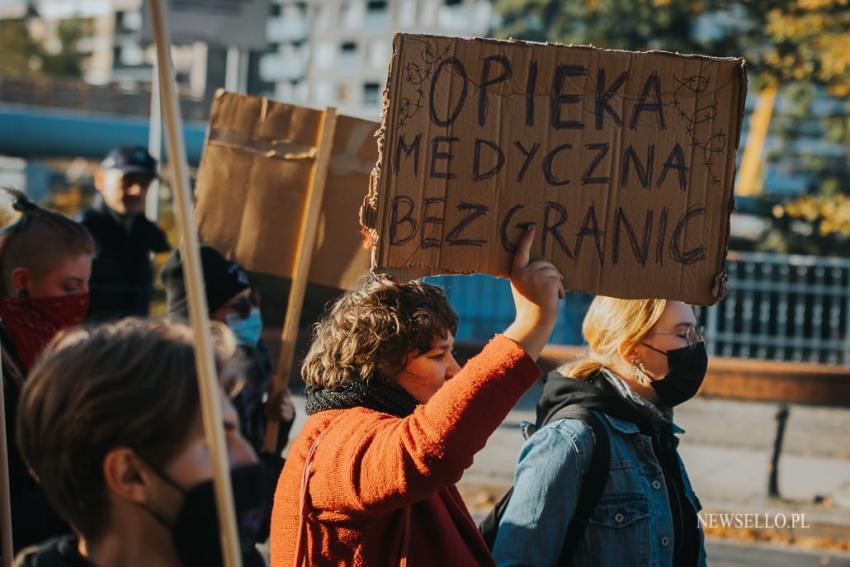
x=132, y=54
x=378, y=53
x=342, y=93
x=376, y=6
x=324, y=16
x=325, y=54
x=371, y=94
x=452, y=2
x=348, y=48
x=133, y=20
x=276, y=10
x=323, y=92
x=406, y=12
x=351, y=14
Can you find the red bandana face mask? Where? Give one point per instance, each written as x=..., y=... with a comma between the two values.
x=33, y=322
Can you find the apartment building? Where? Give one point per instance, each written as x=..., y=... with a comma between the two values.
x=319, y=52
x=335, y=52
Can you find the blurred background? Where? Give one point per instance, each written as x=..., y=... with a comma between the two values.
x=76, y=76
x=772, y=429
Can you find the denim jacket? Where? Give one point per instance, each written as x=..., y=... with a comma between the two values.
x=631, y=524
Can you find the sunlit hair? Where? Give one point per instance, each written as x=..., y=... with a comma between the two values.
x=127, y=384
x=610, y=322
x=373, y=327
x=41, y=241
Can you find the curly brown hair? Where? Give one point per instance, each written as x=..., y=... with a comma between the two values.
x=372, y=329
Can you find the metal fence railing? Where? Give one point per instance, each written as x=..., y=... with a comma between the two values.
x=780, y=307
x=777, y=307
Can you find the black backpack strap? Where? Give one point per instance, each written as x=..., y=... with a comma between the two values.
x=489, y=526
x=593, y=485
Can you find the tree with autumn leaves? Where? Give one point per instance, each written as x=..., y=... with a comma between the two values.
x=24, y=55
x=799, y=44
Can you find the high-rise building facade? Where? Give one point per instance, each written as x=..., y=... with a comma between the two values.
x=336, y=52
x=319, y=52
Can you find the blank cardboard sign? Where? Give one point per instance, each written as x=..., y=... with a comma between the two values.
x=624, y=162
x=253, y=180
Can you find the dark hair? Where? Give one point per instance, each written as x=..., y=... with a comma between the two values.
x=39, y=240
x=127, y=384
x=373, y=327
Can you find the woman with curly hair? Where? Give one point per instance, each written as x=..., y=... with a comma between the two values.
x=394, y=421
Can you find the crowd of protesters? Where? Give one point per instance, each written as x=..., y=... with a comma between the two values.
x=109, y=465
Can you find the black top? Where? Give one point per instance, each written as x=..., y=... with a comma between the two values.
x=122, y=276
x=33, y=519
x=63, y=552
x=58, y=552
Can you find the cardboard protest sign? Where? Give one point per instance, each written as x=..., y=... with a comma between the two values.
x=624, y=161
x=252, y=186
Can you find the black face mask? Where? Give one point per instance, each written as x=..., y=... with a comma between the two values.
x=687, y=371
x=195, y=532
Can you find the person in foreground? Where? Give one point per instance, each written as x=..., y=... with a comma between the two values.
x=644, y=357
x=394, y=422
x=45, y=263
x=110, y=425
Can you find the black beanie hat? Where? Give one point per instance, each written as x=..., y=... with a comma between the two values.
x=223, y=279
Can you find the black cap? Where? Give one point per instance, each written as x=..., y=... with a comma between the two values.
x=130, y=159
x=223, y=279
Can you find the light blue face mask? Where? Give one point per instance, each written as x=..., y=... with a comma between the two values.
x=247, y=330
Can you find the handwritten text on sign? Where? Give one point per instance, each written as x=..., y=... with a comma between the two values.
x=624, y=162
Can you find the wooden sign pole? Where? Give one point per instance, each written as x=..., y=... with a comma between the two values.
x=5, y=493
x=301, y=269
x=204, y=361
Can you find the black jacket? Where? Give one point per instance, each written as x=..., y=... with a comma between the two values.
x=33, y=519
x=62, y=552
x=122, y=276
x=597, y=394
x=58, y=552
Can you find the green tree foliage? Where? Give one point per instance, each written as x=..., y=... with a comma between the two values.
x=19, y=51
x=800, y=45
x=23, y=56
x=616, y=24
x=68, y=61
x=783, y=40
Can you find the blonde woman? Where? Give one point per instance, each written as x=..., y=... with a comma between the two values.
x=644, y=357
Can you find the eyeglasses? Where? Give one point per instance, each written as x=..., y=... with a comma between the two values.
x=244, y=305
x=693, y=335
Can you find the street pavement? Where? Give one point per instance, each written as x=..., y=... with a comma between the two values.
x=727, y=451
x=732, y=554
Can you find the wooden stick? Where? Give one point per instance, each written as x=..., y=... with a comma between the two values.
x=204, y=360
x=5, y=493
x=301, y=268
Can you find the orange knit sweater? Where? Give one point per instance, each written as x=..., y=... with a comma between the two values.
x=370, y=466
